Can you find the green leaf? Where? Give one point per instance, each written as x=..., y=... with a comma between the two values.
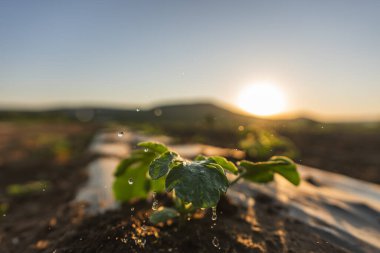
x=162, y=215
x=198, y=183
x=200, y=158
x=136, y=168
x=286, y=168
x=123, y=165
x=225, y=164
x=157, y=147
x=124, y=191
x=262, y=172
x=160, y=166
x=257, y=172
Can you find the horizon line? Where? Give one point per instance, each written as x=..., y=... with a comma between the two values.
x=233, y=108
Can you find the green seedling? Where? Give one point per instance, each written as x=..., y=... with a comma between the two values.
x=192, y=184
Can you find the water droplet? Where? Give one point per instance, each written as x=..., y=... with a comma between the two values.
x=214, y=215
x=120, y=134
x=130, y=181
x=15, y=240
x=137, y=109
x=140, y=242
x=155, y=205
x=158, y=112
x=215, y=242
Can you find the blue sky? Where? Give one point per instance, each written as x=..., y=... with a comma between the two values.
x=325, y=55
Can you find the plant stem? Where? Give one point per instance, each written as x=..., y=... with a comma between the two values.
x=241, y=175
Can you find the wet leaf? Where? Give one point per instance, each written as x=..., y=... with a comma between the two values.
x=160, y=166
x=199, y=183
x=157, y=147
x=162, y=215
x=136, y=168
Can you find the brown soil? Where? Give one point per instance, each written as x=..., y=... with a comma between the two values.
x=30, y=217
x=267, y=229
x=350, y=153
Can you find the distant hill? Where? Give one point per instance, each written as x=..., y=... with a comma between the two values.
x=203, y=112
x=206, y=114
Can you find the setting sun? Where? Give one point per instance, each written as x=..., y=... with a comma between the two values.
x=263, y=99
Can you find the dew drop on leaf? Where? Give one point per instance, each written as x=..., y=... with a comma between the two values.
x=130, y=181
x=215, y=242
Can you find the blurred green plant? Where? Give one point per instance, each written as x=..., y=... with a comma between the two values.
x=132, y=179
x=27, y=188
x=51, y=145
x=54, y=145
x=261, y=144
x=194, y=184
x=3, y=209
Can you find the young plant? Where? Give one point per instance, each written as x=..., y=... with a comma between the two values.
x=193, y=184
x=261, y=144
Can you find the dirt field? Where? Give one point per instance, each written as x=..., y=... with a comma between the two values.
x=44, y=219
x=349, y=153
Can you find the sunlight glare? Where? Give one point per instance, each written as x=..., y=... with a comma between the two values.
x=263, y=99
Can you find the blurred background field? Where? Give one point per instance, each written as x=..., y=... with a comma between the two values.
x=346, y=148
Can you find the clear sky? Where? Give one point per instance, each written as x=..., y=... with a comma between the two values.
x=324, y=55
